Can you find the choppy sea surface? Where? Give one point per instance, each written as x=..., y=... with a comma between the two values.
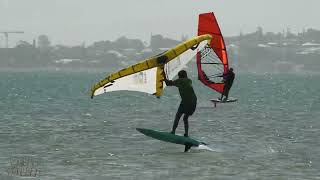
x=272, y=132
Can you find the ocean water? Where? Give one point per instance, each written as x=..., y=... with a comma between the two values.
x=272, y=132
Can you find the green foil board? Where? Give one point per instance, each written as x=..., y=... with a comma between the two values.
x=168, y=137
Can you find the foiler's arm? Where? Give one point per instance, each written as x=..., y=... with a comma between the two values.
x=168, y=82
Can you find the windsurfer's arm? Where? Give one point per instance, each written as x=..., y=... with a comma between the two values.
x=224, y=76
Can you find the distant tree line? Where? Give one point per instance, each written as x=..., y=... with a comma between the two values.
x=280, y=52
x=106, y=52
x=246, y=52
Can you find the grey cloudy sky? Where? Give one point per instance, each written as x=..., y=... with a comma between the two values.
x=75, y=21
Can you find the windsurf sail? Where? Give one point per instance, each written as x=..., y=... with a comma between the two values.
x=212, y=61
x=147, y=75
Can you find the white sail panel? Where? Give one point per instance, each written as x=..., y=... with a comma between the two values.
x=173, y=67
x=144, y=81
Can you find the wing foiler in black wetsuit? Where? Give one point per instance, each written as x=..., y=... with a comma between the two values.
x=187, y=94
x=188, y=102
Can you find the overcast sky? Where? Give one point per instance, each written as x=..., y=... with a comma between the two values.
x=73, y=22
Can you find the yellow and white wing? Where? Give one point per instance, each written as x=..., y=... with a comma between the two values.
x=147, y=75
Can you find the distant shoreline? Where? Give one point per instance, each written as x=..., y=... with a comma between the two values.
x=105, y=72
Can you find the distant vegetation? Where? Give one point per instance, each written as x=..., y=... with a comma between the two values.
x=252, y=52
x=276, y=52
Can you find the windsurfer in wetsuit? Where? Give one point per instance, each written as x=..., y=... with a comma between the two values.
x=228, y=81
x=188, y=99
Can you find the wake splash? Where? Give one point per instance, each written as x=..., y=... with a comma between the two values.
x=204, y=147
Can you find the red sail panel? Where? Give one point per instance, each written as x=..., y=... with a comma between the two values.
x=208, y=25
x=202, y=77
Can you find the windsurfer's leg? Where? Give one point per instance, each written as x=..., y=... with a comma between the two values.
x=221, y=96
x=176, y=122
x=227, y=92
x=186, y=125
x=227, y=95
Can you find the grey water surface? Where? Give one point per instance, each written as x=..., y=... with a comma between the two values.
x=272, y=132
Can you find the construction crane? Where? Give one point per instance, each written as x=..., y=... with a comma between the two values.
x=6, y=35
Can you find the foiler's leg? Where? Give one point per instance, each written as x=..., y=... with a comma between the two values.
x=186, y=124
x=176, y=122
